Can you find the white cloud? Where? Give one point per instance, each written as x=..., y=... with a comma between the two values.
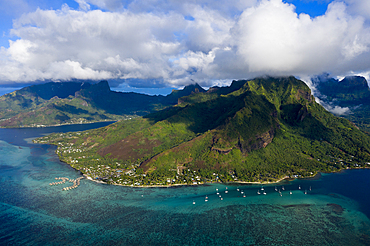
x=175, y=41
x=359, y=7
x=273, y=38
x=83, y=5
x=58, y=44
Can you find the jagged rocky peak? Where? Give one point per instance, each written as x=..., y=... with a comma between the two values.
x=103, y=86
x=188, y=90
x=96, y=89
x=193, y=88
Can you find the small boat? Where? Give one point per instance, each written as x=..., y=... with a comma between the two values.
x=222, y=199
x=244, y=195
x=237, y=189
x=276, y=189
x=218, y=193
x=305, y=192
x=258, y=192
x=281, y=194
x=290, y=192
x=242, y=192
x=299, y=187
x=262, y=188
x=310, y=188
x=193, y=202
x=264, y=193
x=283, y=188
x=226, y=191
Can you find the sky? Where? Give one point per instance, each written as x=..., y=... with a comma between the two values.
x=156, y=45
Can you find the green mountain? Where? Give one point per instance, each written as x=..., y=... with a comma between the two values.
x=73, y=102
x=352, y=93
x=258, y=130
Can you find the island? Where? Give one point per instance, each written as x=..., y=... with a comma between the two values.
x=254, y=131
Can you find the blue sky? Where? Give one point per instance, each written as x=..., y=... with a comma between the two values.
x=156, y=45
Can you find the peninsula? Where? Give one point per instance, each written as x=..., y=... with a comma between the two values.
x=261, y=130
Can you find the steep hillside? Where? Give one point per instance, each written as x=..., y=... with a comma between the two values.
x=268, y=129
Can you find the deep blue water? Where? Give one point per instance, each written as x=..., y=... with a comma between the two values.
x=335, y=211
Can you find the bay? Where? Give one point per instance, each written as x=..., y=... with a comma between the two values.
x=334, y=211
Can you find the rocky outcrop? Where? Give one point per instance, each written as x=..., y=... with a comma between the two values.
x=258, y=142
x=305, y=95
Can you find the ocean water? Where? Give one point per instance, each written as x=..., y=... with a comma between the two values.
x=335, y=210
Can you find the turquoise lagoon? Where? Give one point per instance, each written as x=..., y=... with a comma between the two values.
x=335, y=210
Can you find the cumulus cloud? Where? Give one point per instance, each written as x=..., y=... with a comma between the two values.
x=174, y=42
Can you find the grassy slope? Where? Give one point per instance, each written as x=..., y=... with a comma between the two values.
x=264, y=131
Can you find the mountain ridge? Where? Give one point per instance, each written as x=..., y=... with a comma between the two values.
x=270, y=128
x=56, y=103
x=350, y=95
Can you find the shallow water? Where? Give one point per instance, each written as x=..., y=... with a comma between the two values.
x=335, y=211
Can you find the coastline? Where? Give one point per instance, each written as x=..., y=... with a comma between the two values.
x=62, y=124
x=313, y=177
x=176, y=185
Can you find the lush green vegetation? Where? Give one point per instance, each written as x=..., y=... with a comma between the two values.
x=262, y=131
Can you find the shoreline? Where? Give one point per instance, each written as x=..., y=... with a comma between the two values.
x=177, y=185
x=315, y=176
x=63, y=124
